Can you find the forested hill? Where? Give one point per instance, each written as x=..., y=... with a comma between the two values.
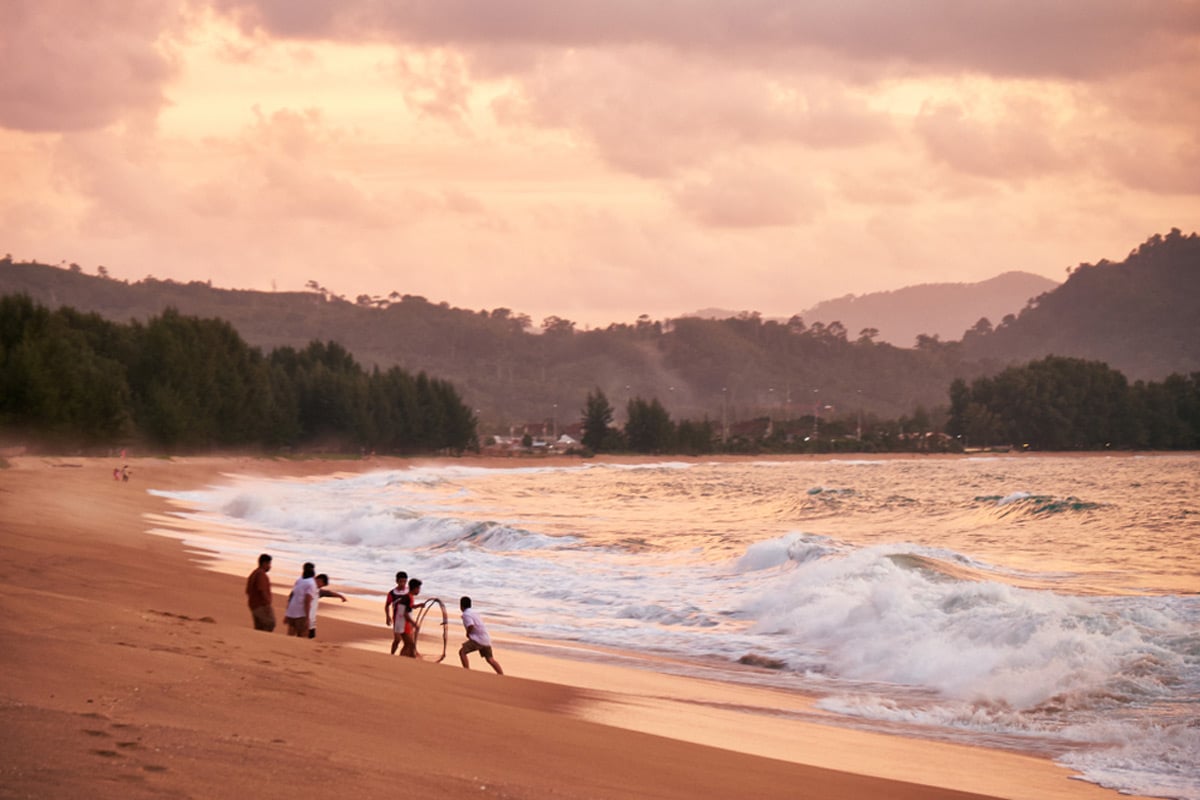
x=935, y=309
x=1138, y=316
x=1141, y=316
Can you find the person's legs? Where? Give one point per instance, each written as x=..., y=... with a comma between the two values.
x=462, y=656
x=396, y=637
x=410, y=647
x=486, y=652
x=264, y=618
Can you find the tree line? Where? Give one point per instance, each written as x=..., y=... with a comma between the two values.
x=182, y=383
x=1060, y=403
x=1055, y=403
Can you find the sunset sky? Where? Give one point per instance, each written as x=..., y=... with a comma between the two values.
x=595, y=159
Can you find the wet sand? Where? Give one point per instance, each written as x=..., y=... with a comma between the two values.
x=129, y=670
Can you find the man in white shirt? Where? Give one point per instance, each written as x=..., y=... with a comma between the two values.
x=302, y=602
x=477, y=637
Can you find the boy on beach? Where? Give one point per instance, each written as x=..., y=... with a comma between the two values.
x=394, y=595
x=478, y=639
x=404, y=607
x=258, y=595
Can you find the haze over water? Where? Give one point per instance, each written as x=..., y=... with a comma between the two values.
x=1044, y=604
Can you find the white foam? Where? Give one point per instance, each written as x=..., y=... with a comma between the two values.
x=902, y=633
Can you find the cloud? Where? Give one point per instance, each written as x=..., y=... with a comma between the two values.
x=1021, y=141
x=1067, y=38
x=71, y=66
x=652, y=115
x=595, y=160
x=742, y=195
x=437, y=84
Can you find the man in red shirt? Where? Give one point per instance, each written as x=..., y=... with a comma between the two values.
x=258, y=596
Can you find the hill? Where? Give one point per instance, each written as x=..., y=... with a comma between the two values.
x=944, y=310
x=1138, y=316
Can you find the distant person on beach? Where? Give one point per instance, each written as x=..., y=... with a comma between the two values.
x=478, y=640
x=393, y=595
x=301, y=602
x=258, y=593
x=125, y=473
x=116, y=474
x=405, y=607
x=322, y=582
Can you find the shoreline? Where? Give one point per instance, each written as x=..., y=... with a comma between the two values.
x=181, y=687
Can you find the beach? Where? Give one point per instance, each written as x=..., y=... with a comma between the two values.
x=130, y=670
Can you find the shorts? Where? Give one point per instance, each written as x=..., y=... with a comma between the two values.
x=297, y=626
x=472, y=646
x=264, y=618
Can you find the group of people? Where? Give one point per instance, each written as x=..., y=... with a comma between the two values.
x=401, y=602
x=300, y=618
x=398, y=608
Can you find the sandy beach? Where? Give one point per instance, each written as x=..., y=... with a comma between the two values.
x=129, y=670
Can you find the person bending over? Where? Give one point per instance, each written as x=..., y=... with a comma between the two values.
x=322, y=582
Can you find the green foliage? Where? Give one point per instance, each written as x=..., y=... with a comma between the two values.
x=1071, y=404
x=648, y=428
x=182, y=383
x=53, y=380
x=597, y=416
x=695, y=438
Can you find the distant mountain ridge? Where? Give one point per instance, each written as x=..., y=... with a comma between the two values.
x=944, y=310
x=1139, y=316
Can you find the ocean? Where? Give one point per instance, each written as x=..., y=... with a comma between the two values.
x=1045, y=605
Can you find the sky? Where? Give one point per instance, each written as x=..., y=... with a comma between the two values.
x=595, y=160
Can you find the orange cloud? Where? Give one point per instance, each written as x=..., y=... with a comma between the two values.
x=67, y=66
x=594, y=160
